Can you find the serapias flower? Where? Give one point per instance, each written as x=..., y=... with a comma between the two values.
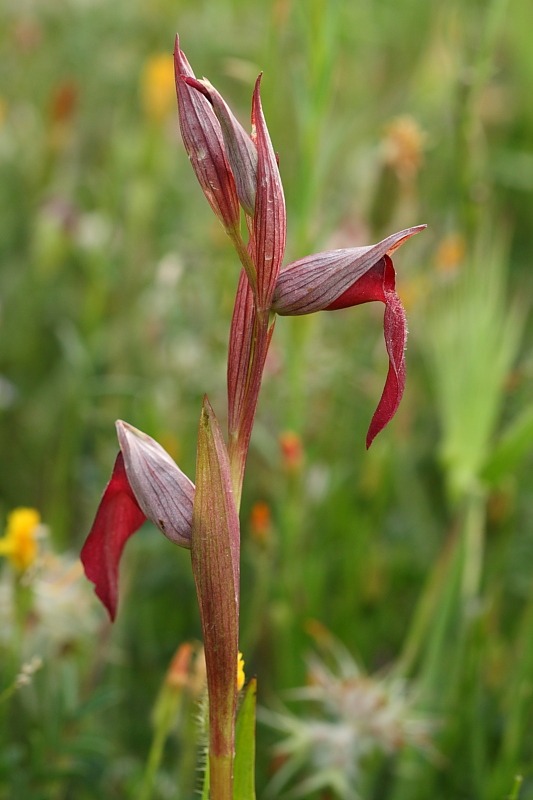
x=343, y=278
x=145, y=484
x=19, y=544
x=202, y=137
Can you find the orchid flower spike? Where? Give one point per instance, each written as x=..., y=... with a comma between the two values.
x=343, y=278
x=234, y=167
x=145, y=484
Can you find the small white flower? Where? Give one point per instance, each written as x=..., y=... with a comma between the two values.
x=351, y=715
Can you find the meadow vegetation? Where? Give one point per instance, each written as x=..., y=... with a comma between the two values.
x=393, y=589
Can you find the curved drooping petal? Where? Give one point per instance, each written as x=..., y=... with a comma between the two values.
x=117, y=518
x=313, y=283
x=164, y=493
x=379, y=284
x=269, y=222
x=202, y=137
x=344, y=278
x=145, y=484
x=240, y=150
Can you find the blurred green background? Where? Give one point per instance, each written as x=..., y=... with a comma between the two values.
x=116, y=293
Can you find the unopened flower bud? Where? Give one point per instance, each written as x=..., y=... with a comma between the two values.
x=240, y=150
x=204, y=144
x=178, y=671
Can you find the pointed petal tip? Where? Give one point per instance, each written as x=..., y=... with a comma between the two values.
x=207, y=415
x=378, y=423
x=418, y=228
x=402, y=236
x=198, y=85
x=373, y=431
x=178, y=52
x=121, y=426
x=124, y=429
x=414, y=229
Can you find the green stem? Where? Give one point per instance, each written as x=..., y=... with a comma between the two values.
x=8, y=692
x=474, y=536
x=245, y=259
x=221, y=776
x=516, y=787
x=427, y=607
x=155, y=757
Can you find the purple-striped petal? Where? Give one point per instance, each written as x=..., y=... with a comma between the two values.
x=145, y=484
x=313, y=283
x=202, y=137
x=163, y=491
x=268, y=225
x=240, y=150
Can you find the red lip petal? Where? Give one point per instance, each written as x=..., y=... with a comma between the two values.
x=379, y=284
x=395, y=332
x=365, y=289
x=117, y=518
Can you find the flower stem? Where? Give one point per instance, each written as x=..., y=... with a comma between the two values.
x=155, y=757
x=245, y=259
x=220, y=776
x=240, y=433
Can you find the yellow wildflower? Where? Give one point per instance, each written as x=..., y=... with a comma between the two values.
x=158, y=93
x=19, y=543
x=240, y=672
